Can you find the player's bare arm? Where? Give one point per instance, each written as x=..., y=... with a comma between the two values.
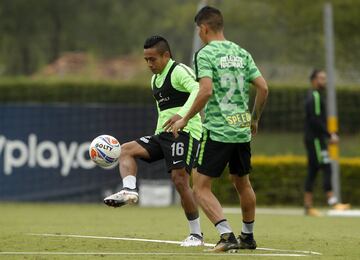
x=205, y=92
x=260, y=101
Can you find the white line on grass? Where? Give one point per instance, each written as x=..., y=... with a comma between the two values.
x=170, y=242
x=344, y=213
x=147, y=253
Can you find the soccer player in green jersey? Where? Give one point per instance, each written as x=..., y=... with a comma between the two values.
x=174, y=89
x=225, y=72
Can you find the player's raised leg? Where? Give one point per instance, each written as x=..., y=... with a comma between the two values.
x=128, y=170
x=181, y=180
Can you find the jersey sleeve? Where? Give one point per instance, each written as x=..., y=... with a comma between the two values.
x=202, y=65
x=253, y=70
x=183, y=79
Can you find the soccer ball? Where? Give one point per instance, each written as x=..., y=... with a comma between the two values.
x=105, y=150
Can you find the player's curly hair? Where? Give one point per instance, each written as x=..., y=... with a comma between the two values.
x=210, y=16
x=158, y=42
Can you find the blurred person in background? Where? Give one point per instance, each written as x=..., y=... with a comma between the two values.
x=316, y=139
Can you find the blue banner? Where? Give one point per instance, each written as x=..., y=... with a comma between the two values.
x=44, y=149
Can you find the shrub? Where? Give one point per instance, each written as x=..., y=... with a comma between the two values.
x=280, y=180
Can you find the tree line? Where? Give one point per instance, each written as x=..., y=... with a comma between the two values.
x=34, y=33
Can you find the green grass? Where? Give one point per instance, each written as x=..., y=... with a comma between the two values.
x=333, y=237
x=292, y=143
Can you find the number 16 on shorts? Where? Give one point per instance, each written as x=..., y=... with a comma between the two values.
x=177, y=150
x=181, y=152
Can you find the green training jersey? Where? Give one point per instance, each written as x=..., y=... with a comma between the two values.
x=231, y=69
x=182, y=79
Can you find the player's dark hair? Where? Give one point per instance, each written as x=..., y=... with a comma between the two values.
x=314, y=74
x=210, y=16
x=158, y=42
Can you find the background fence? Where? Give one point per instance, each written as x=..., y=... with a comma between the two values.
x=46, y=128
x=284, y=109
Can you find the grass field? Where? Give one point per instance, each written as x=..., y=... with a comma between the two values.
x=332, y=237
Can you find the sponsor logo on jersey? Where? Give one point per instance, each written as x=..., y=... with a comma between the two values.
x=163, y=99
x=231, y=61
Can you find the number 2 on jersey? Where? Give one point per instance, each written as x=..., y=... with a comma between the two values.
x=231, y=82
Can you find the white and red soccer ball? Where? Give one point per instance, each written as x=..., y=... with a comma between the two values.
x=105, y=150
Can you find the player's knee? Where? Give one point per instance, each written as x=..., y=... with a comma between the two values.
x=197, y=193
x=201, y=185
x=200, y=191
x=240, y=183
x=180, y=180
x=196, y=190
x=177, y=180
x=127, y=149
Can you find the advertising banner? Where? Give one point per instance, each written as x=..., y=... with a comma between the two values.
x=44, y=149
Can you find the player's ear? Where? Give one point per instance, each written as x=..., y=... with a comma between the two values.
x=204, y=28
x=166, y=54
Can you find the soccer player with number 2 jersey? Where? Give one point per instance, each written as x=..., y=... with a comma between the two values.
x=225, y=72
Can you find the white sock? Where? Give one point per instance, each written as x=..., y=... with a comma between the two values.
x=223, y=227
x=332, y=200
x=247, y=227
x=129, y=182
x=194, y=226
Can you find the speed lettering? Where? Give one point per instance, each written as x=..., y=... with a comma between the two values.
x=239, y=119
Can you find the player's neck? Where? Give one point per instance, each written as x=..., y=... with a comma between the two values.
x=216, y=37
x=165, y=66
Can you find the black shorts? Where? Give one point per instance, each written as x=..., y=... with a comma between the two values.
x=178, y=152
x=317, y=151
x=214, y=156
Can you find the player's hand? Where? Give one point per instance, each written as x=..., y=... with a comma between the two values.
x=254, y=127
x=169, y=123
x=177, y=126
x=334, y=138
